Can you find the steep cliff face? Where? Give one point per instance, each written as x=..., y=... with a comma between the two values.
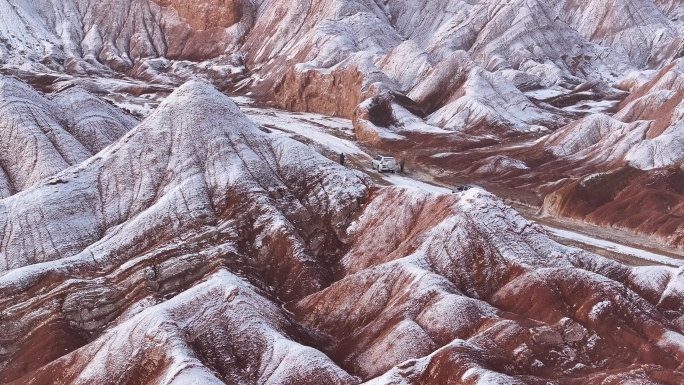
x=211, y=14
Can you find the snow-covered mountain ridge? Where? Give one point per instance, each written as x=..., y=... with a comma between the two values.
x=152, y=233
x=198, y=248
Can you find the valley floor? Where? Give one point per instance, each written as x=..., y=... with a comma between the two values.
x=331, y=136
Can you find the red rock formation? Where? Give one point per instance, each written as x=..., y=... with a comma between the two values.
x=401, y=45
x=201, y=248
x=490, y=300
x=210, y=14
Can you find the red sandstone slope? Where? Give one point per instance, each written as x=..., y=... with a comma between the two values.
x=483, y=299
x=621, y=170
x=625, y=170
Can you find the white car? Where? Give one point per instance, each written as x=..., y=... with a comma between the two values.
x=384, y=163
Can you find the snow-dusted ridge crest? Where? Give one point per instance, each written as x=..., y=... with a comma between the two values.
x=176, y=151
x=458, y=287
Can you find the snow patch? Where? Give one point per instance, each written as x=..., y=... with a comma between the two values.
x=615, y=247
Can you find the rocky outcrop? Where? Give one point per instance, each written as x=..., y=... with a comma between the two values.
x=648, y=203
x=211, y=14
x=334, y=93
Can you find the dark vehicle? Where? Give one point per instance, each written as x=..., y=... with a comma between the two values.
x=463, y=188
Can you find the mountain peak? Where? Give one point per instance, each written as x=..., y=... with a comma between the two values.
x=201, y=95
